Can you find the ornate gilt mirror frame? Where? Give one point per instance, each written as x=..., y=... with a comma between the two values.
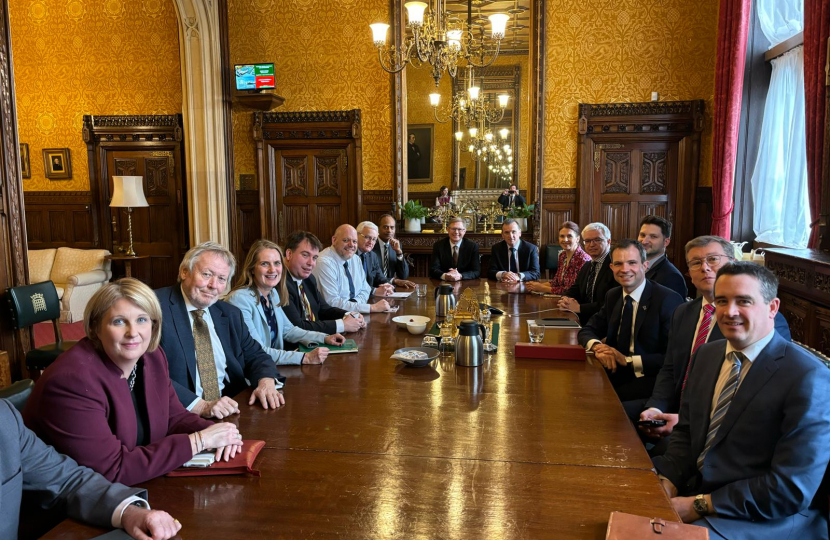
x=537, y=87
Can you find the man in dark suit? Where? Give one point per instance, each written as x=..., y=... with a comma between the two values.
x=396, y=265
x=634, y=322
x=455, y=258
x=512, y=260
x=306, y=307
x=26, y=463
x=655, y=236
x=594, y=280
x=753, y=441
x=209, y=349
x=367, y=240
x=693, y=324
x=510, y=197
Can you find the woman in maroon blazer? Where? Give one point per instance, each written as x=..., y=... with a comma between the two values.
x=108, y=402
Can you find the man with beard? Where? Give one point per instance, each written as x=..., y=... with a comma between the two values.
x=655, y=235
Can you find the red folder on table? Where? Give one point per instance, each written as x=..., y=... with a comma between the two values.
x=242, y=463
x=550, y=352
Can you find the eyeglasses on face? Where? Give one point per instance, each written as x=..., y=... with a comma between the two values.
x=594, y=240
x=711, y=260
x=457, y=229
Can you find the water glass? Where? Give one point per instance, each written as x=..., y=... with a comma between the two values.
x=430, y=341
x=537, y=332
x=447, y=346
x=421, y=290
x=489, y=346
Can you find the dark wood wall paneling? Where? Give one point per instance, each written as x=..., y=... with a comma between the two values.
x=247, y=219
x=60, y=219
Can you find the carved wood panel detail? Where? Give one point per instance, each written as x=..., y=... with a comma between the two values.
x=328, y=218
x=616, y=217
x=651, y=209
x=157, y=172
x=124, y=167
x=653, y=176
x=617, y=172
x=327, y=175
x=296, y=218
x=295, y=176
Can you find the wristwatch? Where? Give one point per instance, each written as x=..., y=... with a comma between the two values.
x=700, y=505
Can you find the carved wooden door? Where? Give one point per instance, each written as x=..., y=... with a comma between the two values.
x=632, y=182
x=159, y=231
x=312, y=191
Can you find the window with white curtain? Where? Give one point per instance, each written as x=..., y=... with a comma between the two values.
x=781, y=213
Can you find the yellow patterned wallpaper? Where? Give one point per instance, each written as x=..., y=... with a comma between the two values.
x=324, y=60
x=619, y=51
x=75, y=57
x=420, y=84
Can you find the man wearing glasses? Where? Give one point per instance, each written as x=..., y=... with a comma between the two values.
x=455, y=258
x=587, y=295
x=367, y=239
x=693, y=324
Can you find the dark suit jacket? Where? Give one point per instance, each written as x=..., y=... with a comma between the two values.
x=667, y=388
x=374, y=271
x=83, y=408
x=245, y=357
x=326, y=315
x=667, y=275
x=27, y=463
x=395, y=268
x=468, y=260
x=579, y=290
x=528, y=260
x=651, y=333
x=504, y=201
x=771, y=450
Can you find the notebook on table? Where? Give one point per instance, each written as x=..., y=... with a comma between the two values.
x=349, y=346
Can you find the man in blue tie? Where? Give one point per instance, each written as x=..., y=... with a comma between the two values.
x=341, y=277
x=753, y=441
x=513, y=260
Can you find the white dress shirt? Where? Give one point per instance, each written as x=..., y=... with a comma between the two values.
x=218, y=352
x=514, y=259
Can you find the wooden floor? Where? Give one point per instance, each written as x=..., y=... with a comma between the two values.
x=369, y=448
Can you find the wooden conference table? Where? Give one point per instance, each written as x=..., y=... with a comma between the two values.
x=366, y=447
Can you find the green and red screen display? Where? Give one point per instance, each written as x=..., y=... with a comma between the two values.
x=254, y=76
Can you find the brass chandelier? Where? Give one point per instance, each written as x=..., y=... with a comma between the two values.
x=440, y=40
x=469, y=106
x=483, y=146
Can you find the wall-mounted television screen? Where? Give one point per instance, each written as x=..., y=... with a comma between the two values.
x=254, y=76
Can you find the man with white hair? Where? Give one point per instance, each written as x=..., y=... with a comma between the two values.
x=367, y=239
x=211, y=355
x=587, y=295
x=341, y=277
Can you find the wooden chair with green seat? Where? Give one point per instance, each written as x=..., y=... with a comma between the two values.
x=32, y=304
x=552, y=259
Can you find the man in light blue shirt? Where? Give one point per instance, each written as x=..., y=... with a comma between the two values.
x=340, y=275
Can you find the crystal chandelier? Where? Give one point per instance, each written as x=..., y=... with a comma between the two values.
x=440, y=40
x=483, y=146
x=469, y=106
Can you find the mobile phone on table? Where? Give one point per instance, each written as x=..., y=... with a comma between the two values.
x=651, y=423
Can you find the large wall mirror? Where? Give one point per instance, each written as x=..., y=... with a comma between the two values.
x=428, y=153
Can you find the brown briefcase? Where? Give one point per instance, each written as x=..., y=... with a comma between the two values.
x=630, y=527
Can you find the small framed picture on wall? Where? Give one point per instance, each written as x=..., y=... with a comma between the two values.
x=25, y=164
x=419, y=153
x=56, y=163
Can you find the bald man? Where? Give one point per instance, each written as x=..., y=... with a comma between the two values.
x=340, y=275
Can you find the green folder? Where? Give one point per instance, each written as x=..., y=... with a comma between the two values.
x=349, y=346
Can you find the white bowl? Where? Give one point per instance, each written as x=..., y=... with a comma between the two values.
x=402, y=320
x=416, y=327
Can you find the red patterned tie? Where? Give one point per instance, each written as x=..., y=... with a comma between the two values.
x=700, y=339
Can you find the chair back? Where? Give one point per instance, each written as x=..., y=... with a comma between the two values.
x=552, y=258
x=18, y=393
x=31, y=304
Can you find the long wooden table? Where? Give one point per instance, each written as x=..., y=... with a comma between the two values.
x=366, y=447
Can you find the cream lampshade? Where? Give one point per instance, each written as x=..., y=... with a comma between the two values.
x=128, y=192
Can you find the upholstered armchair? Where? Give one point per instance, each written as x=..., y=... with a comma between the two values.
x=77, y=274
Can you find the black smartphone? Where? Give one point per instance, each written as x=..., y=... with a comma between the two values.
x=651, y=423
x=555, y=319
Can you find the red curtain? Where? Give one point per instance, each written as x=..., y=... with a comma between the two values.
x=816, y=30
x=733, y=26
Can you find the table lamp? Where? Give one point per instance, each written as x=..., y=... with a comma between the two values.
x=128, y=192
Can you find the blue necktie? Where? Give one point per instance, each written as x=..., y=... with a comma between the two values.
x=351, y=282
x=512, y=262
x=365, y=264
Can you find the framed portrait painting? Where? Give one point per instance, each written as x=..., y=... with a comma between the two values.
x=419, y=146
x=56, y=163
x=25, y=164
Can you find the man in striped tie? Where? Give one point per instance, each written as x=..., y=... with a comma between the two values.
x=752, y=445
x=693, y=325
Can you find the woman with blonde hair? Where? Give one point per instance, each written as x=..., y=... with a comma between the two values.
x=260, y=292
x=108, y=402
